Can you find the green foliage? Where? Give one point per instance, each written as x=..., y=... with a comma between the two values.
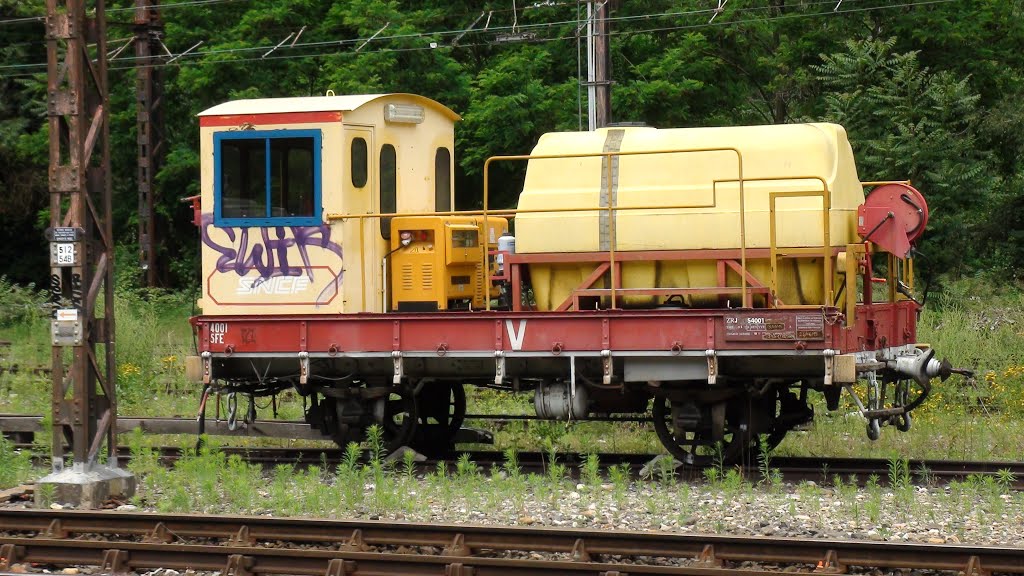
x=20, y=304
x=466, y=469
x=511, y=463
x=15, y=465
x=671, y=85
x=590, y=473
x=899, y=475
x=908, y=122
x=771, y=477
x=512, y=104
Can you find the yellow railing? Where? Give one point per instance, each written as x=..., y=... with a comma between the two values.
x=853, y=256
x=612, y=209
x=826, y=228
x=826, y=250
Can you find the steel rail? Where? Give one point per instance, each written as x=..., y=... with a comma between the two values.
x=183, y=541
x=244, y=561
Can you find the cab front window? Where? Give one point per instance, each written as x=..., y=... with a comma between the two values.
x=267, y=178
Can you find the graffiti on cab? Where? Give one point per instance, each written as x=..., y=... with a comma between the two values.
x=266, y=250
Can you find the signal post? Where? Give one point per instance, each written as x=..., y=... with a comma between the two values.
x=81, y=261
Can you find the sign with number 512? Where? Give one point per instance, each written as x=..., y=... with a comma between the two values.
x=63, y=254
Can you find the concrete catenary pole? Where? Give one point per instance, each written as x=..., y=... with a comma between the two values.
x=602, y=67
x=599, y=101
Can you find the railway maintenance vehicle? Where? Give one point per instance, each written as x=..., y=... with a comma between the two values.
x=710, y=279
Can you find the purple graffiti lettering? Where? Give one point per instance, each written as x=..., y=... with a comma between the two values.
x=269, y=256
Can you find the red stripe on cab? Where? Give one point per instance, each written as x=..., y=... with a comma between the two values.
x=275, y=118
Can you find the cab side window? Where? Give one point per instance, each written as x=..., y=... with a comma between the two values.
x=359, y=163
x=442, y=180
x=388, y=187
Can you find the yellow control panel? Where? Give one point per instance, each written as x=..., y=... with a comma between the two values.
x=436, y=262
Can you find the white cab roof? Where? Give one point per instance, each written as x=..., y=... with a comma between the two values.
x=346, y=103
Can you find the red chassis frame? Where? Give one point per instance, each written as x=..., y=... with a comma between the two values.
x=506, y=333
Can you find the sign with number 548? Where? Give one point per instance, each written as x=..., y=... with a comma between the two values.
x=63, y=254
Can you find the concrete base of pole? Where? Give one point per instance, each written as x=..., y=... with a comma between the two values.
x=84, y=487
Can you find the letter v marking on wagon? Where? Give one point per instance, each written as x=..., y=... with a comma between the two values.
x=516, y=338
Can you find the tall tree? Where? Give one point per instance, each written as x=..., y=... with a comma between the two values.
x=906, y=121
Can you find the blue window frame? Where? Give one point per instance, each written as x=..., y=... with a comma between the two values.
x=267, y=178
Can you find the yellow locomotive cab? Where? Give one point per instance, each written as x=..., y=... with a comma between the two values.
x=273, y=169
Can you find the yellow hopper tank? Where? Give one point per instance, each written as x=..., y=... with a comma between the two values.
x=691, y=201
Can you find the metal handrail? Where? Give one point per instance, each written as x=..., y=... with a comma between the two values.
x=826, y=195
x=612, y=208
x=884, y=182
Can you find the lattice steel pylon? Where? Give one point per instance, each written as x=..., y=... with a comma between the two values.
x=148, y=30
x=81, y=258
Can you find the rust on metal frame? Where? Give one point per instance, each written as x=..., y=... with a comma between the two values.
x=80, y=198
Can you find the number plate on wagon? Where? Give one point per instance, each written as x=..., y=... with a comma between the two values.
x=757, y=327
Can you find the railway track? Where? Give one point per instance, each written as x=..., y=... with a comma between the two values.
x=792, y=468
x=821, y=470
x=118, y=542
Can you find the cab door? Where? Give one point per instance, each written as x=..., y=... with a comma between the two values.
x=363, y=246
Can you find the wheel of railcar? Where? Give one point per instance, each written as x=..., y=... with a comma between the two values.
x=443, y=404
x=774, y=438
x=790, y=411
x=398, y=417
x=333, y=415
x=697, y=447
x=442, y=410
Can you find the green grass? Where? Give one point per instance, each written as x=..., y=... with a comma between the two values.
x=936, y=435
x=15, y=465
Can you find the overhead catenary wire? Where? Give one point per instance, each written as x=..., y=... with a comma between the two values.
x=622, y=32
x=186, y=3
x=719, y=10
x=460, y=32
x=196, y=57
x=414, y=35
x=24, y=19
x=463, y=31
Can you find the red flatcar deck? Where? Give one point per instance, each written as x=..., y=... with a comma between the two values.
x=618, y=331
